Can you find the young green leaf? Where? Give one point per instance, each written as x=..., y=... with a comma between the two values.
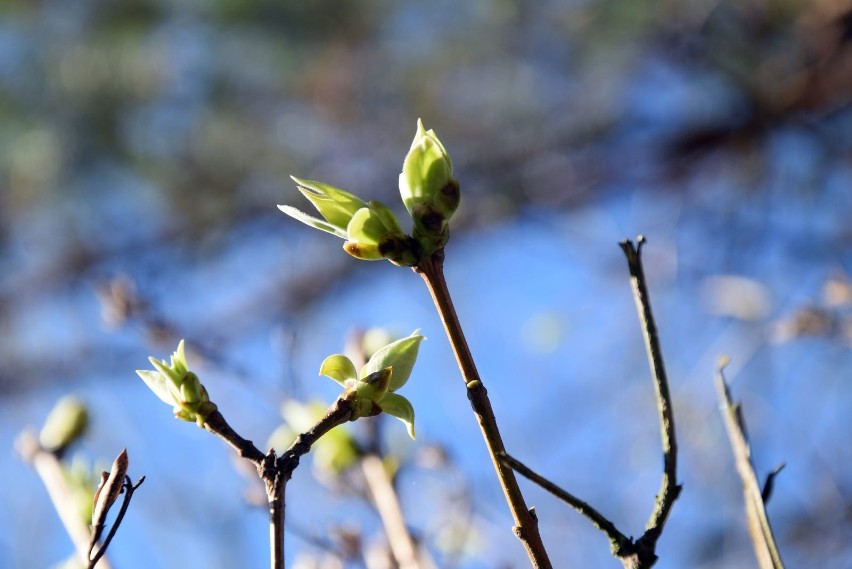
x=339, y=368
x=336, y=206
x=363, y=251
x=156, y=382
x=401, y=408
x=365, y=227
x=386, y=216
x=313, y=221
x=400, y=355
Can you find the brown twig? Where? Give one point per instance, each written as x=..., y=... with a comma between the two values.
x=669, y=488
x=276, y=472
x=217, y=425
x=526, y=524
x=765, y=549
x=618, y=541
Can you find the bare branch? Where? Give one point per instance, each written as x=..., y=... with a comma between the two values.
x=617, y=539
x=217, y=425
x=669, y=488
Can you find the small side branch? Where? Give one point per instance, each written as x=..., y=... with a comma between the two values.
x=669, y=488
x=276, y=471
x=618, y=541
x=217, y=425
x=759, y=528
x=338, y=413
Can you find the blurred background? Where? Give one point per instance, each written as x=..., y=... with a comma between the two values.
x=144, y=146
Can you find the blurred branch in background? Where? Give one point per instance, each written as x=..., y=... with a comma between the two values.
x=755, y=499
x=81, y=507
x=407, y=553
x=67, y=507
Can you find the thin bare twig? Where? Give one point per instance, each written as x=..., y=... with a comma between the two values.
x=617, y=539
x=217, y=425
x=669, y=488
x=526, y=523
x=641, y=553
x=765, y=549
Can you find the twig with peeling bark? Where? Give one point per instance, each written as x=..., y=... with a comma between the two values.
x=765, y=549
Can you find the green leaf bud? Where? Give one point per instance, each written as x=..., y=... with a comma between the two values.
x=363, y=251
x=426, y=170
x=375, y=385
x=371, y=391
x=65, y=423
x=175, y=385
x=366, y=226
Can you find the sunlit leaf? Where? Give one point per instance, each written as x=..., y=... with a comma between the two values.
x=339, y=368
x=400, y=355
x=313, y=221
x=336, y=206
x=157, y=383
x=401, y=408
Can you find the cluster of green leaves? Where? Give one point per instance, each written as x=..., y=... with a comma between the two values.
x=373, y=388
x=175, y=385
x=372, y=232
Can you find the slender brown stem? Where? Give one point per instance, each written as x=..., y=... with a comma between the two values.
x=526, y=524
x=217, y=425
x=277, y=504
x=669, y=488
